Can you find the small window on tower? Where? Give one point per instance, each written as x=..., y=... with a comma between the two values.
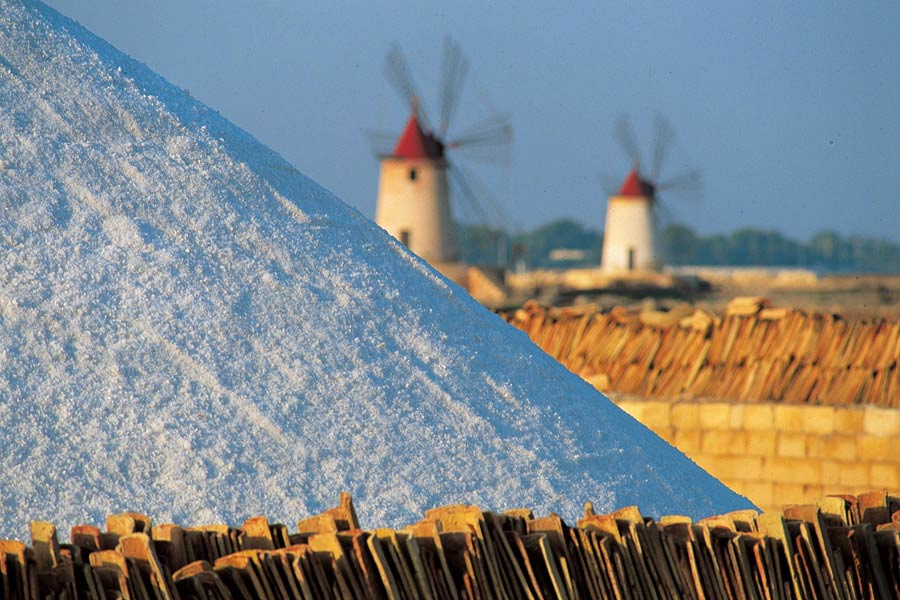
x=412, y=174
x=404, y=237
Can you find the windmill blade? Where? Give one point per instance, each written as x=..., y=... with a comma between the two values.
x=487, y=155
x=491, y=144
x=486, y=209
x=453, y=74
x=690, y=182
x=468, y=195
x=662, y=139
x=380, y=142
x=488, y=142
x=496, y=132
x=662, y=215
x=624, y=134
x=399, y=75
x=497, y=215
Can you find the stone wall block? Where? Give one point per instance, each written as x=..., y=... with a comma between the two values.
x=685, y=415
x=666, y=433
x=723, y=443
x=881, y=421
x=791, y=445
x=842, y=448
x=761, y=443
x=715, y=415
x=849, y=420
x=813, y=492
x=782, y=454
x=789, y=493
x=759, y=417
x=819, y=419
x=885, y=476
x=878, y=448
x=790, y=418
x=830, y=474
x=792, y=470
x=839, y=447
x=688, y=441
x=854, y=474
x=734, y=468
x=656, y=415
x=761, y=493
x=633, y=407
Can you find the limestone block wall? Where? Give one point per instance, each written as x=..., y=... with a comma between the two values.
x=777, y=454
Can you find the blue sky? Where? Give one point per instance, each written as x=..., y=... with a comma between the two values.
x=791, y=110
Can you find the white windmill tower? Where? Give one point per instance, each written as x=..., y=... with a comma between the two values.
x=630, y=236
x=414, y=197
x=414, y=203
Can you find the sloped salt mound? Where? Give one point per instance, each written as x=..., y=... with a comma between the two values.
x=181, y=311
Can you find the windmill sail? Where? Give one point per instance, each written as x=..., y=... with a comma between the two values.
x=454, y=70
x=399, y=75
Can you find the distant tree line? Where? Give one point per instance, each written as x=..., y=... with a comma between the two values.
x=826, y=251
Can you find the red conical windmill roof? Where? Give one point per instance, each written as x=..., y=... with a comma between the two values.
x=637, y=187
x=632, y=185
x=415, y=143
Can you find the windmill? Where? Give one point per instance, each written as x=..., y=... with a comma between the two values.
x=631, y=234
x=414, y=203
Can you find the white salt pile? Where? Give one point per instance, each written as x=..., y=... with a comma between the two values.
x=191, y=328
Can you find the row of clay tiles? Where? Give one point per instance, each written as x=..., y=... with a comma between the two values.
x=843, y=548
x=752, y=353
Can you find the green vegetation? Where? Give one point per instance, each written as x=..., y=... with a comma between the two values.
x=482, y=246
x=825, y=251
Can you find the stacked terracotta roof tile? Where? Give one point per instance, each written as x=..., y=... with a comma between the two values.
x=842, y=547
x=752, y=353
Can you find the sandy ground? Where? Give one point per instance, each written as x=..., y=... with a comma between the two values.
x=853, y=296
